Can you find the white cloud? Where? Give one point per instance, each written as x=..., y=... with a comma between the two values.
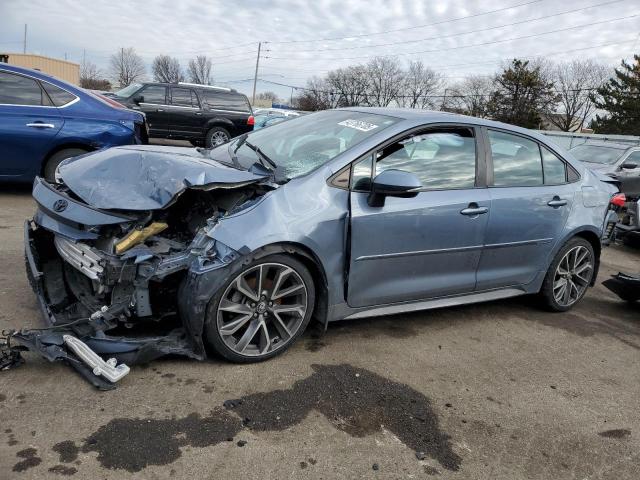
x=220, y=29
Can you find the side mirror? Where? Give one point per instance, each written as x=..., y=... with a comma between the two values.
x=393, y=183
x=629, y=165
x=138, y=99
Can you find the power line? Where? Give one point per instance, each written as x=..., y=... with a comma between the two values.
x=404, y=42
x=409, y=28
x=493, y=42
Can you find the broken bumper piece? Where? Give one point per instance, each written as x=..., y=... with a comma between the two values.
x=109, y=369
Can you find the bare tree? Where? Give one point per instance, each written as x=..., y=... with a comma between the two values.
x=166, y=69
x=91, y=77
x=268, y=96
x=315, y=96
x=420, y=83
x=126, y=66
x=199, y=70
x=472, y=95
x=349, y=85
x=386, y=81
x=574, y=82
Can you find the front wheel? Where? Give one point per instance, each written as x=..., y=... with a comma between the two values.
x=216, y=136
x=261, y=311
x=569, y=275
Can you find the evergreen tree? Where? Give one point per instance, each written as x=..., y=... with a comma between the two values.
x=620, y=97
x=521, y=94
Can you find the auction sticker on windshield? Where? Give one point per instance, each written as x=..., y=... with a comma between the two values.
x=358, y=125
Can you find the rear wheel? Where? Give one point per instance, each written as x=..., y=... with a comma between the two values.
x=569, y=275
x=261, y=311
x=217, y=136
x=56, y=159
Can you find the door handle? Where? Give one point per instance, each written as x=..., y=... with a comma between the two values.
x=159, y=110
x=474, y=210
x=41, y=125
x=199, y=113
x=557, y=202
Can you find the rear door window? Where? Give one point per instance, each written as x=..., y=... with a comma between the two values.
x=58, y=96
x=20, y=90
x=555, y=170
x=154, y=94
x=516, y=160
x=183, y=97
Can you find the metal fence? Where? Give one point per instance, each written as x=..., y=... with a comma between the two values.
x=569, y=140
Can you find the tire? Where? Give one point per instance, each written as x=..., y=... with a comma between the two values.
x=217, y=136
x=57, y=158
x=576, y=255
x=244, y=329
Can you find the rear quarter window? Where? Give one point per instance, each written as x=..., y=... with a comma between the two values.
x=218, y=100
x=58, y=96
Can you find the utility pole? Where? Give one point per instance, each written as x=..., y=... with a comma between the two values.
x=24, y=43
x=255, y=77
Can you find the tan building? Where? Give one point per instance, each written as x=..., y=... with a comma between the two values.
x=67, y=71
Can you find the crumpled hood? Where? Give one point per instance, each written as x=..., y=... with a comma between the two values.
x=146, y=177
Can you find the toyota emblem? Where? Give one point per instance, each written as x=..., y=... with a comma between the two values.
x=60, y=205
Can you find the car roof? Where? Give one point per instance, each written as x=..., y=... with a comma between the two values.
x=195, y=85
x=617, y=146
x=419, y=116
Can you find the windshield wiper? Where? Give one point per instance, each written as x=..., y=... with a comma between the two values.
x=262, y=157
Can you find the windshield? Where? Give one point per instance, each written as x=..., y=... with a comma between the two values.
x=304, y=143
x=597, y=154
x=126, y=92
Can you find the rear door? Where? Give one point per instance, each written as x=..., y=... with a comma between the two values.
x=231, y=106
x=427, y=246
x=29, y=122
x=531, y=197
x=185, y=116
x=154, y=105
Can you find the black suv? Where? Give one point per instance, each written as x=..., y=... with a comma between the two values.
x=204, y=115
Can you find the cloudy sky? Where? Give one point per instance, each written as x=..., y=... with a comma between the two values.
x=303, y=38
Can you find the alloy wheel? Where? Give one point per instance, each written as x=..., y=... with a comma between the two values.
x=218, y=138
x=573, y=275
x=262, y=309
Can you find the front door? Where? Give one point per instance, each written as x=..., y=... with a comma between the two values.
x=154, y=105
x=427, y=246
x=531, y=197
x=28, y=125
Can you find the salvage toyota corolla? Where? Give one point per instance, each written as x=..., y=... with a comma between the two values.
x=142, y=251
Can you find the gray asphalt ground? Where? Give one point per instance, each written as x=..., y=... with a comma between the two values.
x=500, y=390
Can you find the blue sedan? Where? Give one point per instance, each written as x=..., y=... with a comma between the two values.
x=44, y=120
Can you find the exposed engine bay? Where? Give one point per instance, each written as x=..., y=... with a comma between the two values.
x=110, y=287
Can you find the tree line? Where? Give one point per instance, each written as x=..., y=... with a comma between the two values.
x=127, y=67
x=530, y=93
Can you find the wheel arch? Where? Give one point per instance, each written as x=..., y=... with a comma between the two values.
x=58, y=148
x=219, y=122
x=590, y=235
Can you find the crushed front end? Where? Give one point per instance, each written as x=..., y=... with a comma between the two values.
x=123, y=283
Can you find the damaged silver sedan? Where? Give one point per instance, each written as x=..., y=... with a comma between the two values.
x=139, y=252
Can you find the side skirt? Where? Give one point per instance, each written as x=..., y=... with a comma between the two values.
x=436, y=303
